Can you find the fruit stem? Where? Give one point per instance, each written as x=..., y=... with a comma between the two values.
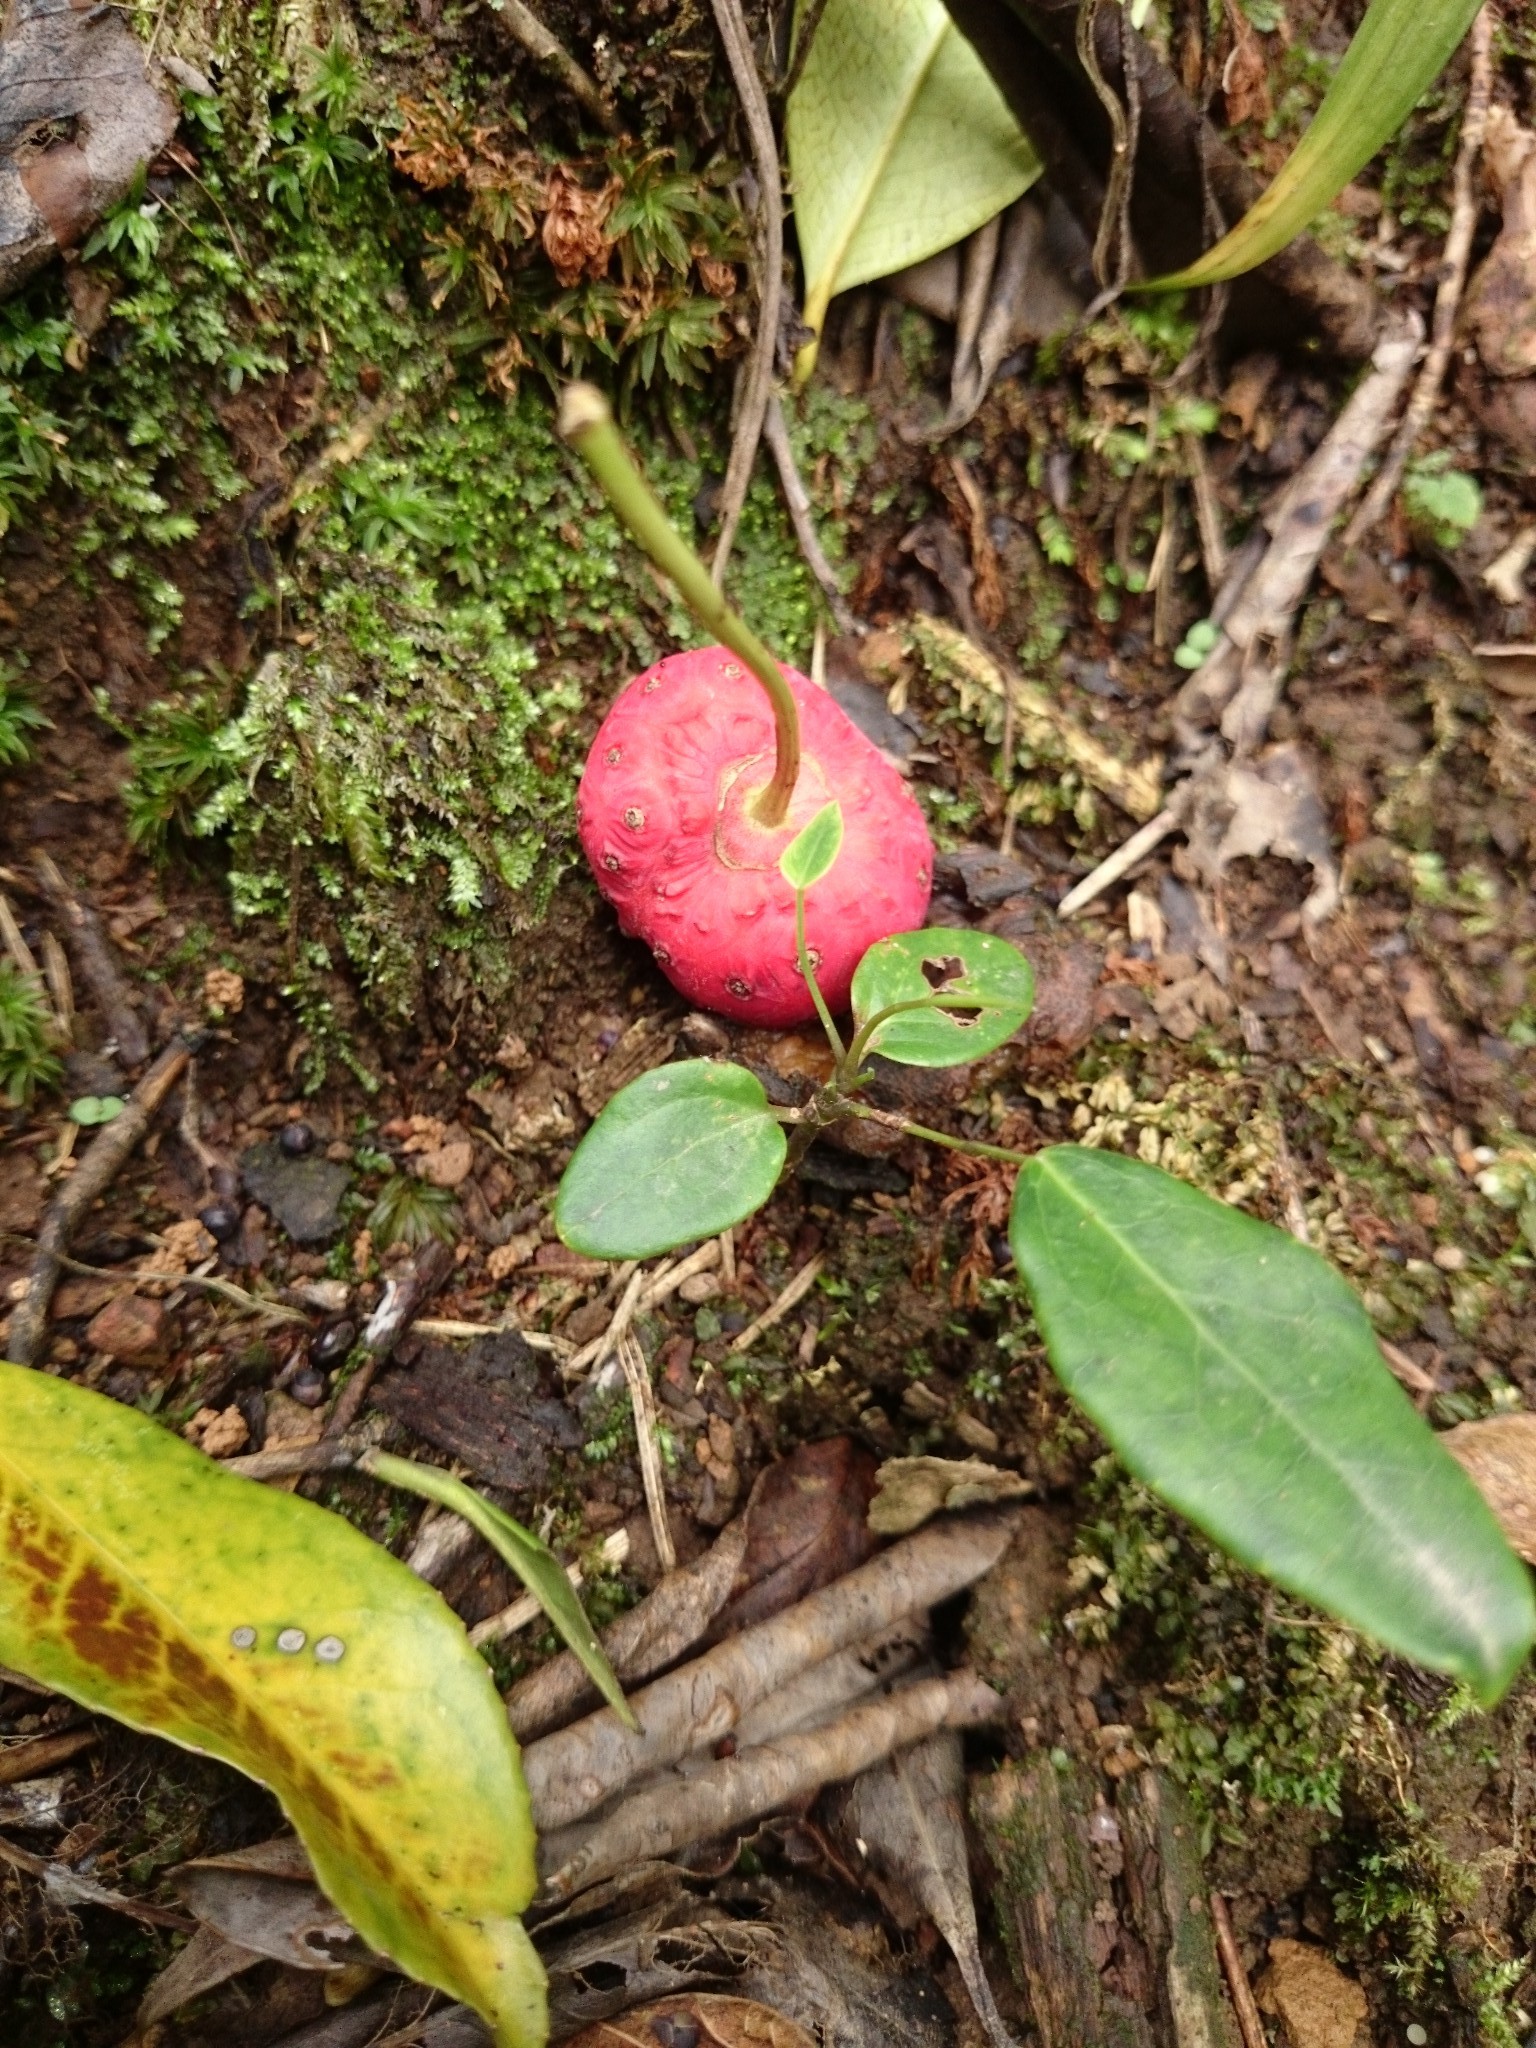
x=586, y=421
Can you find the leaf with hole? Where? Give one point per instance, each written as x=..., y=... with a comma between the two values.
x=1238, y=1375
x=899, y=145
x=810, y=854
x=1398, y=51
x=533, y=1561
x=682, y=1153
x=990, y=984
x=139, y=1578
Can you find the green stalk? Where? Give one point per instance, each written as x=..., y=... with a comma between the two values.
x=586, y=421
x=971, y=1145
x=803, y=955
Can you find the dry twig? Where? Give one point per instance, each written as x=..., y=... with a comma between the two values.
x=1453, y=278
x=643, y=1401
x=108, y=1152
x=387, y=1325
x=1249, y=2023
x=790, y=1297
x=549, y=51
x=97, y=961
x=758, y=386
x=528, y=1607
x=776, y=433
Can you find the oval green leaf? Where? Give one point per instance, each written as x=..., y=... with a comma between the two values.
x=899, y=145
x=1238, y=1375
x=684, y=1152
x=989, y=982
x=1398, y=51
x=810, y=854
x=532, y=1559
x=139, y=1578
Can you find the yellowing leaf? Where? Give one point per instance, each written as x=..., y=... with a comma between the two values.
x=899, y=145
x=1398, y=51
x=139, y=1578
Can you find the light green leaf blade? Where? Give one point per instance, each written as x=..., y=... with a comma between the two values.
x=899, y=145
x=812, y=851
x=682, y=1153
x=1398, y=51
x=1237, y=1374
x=533, y=1561
x=914, y=968
x=131, y=1570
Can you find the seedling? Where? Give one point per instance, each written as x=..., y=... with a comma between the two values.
x=706, y=768
x=1231, y=1367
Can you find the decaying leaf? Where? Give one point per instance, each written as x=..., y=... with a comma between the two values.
x=1244, y=808
x=265, y=1899
x=890, y=89
x=139, y=1578
x=914, y=1490
x=697, y=2020
x=1499, y=1456
x=906, y=1819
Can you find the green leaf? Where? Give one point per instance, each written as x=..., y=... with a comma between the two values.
x=899, y=145
x=1236, y=1372
x=915, y=971
x=682, y=1153
x=140, y=1579
x=534, y=1562
x=1398, y=51
x=810, y=854
x=95, y=1109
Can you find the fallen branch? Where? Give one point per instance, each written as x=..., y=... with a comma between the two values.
x=572, y=1773
x=547, y=49
x=666, y=1623
x=99, y=1167
x=758, y=385
x=1453, y=278
x=776, y=433
x=87, y=939
x=643, y=1401
x=43, y=1753
x=737, y=1789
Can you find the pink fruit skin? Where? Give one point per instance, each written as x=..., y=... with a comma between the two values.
x=663, y=821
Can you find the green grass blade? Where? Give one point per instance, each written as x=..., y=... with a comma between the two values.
x=534, y=1562
x=1399, y=49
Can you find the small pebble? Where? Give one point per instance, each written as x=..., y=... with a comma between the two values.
x=1450, y=1258
x=1417, y=2035
x=308, y=1387
x=333, y=1344
x=220, y=1221
x=296, y=1140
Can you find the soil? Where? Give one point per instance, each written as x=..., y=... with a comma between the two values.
x=1363, y=1078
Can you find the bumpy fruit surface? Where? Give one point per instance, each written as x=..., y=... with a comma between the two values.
x=665, y=816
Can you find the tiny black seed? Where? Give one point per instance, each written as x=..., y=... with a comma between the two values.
x=308, y=1387
x=220, y=1221
x=333, y=1344
x=296, y=1140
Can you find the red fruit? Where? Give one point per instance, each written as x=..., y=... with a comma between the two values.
x=664, y=815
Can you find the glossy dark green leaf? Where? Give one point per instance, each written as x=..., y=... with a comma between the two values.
x=533, y=1561
x=138, y=1577
x=989, y=982
x=684, y=1152
x=1237, y=1374
x=810, y=854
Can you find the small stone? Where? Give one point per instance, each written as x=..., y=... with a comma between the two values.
x=227, y=1433
x=1416, y=2035
x=220, y=1220
x=699, y=1288
x=975, y=1435
x=448, y=1166
x=304, y=1194
x=1450, y=1258
x=308, y=1387
x=296, y=1140
x=223, y=992
x=923, y=1403
x=333, y=1344
x=131, y=1328
x=329, y=1296
x=505, y=1259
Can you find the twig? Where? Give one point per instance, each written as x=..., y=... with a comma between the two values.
x=23, y=959
x=536, y=1340
x=1453, y=278
x=1213, y=542
x=770, y=290
x=43, y=1753
x=92, y=949
x=549, y=51
x=614, y=1552
x=1119, y=863
x=727, y=1244
x=387, y=1325
x=251, y=1304
x=291, y=1459
x=1405, y=1370
x=776, y=433
x=810, y=22
x=778, y=1309
x=643, y=1401
x=62, y=1884
x=643, y=1292
x=1249, y=2024
x=108, y=1152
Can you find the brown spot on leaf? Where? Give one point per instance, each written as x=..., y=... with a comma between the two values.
x=115, y=1636
x=196, y=1684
